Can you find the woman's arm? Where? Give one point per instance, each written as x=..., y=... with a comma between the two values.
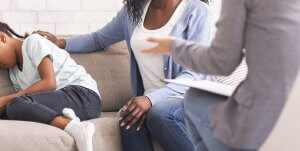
x=111, y=33
x=47, y=82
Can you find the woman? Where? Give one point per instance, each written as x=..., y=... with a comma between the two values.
x=157, y=102
x=51, y=86
x=269, y=31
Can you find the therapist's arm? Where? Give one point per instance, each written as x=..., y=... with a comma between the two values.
x=225, y=52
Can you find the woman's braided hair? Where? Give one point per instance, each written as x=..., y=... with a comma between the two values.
x=10, y=32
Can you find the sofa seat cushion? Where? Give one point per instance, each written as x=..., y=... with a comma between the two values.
x=31, y=136
x=109, y=115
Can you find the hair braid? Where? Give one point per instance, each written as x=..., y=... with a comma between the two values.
x=9, y=31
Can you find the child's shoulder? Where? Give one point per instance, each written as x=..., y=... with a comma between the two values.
x=35, y=38
x=37, y=41
x=36, y=44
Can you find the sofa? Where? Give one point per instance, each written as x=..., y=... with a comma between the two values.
x=111, y=71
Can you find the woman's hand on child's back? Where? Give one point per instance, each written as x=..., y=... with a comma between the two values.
x=61, y=43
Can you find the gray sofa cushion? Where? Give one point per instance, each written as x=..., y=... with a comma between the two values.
x=110, y=69
x=31, y=136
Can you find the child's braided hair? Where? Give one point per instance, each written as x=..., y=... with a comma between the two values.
x=10, y=32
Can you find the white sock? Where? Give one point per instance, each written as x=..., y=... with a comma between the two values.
x=70, y=114
x=83, y=133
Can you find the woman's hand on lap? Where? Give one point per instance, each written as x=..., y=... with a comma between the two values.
x=136, y=109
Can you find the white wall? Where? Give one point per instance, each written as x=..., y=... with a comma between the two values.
x=216, y=10
x=61, y=17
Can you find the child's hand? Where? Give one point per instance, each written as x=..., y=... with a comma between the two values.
x=3, y=102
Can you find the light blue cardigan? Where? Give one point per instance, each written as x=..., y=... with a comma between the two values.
x=194, y=25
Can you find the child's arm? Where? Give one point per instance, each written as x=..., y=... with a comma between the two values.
x=47, y=82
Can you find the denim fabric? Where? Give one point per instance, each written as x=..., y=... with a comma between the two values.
x=133, y=140
x=197, y=106
x=43, y=107
x=165, y=123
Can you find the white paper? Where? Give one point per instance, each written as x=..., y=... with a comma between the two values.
x=209, y=86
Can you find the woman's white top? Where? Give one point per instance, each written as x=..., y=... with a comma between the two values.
x=151, y=66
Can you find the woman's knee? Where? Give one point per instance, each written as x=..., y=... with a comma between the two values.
x=198, y=103
x=192, y=98
x=155, y=114
x=132, y=131
x=162, y=113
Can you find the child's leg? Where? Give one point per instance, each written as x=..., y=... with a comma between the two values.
x=46, y=107
x=60, y=122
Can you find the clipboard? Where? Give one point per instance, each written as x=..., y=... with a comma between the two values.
x=209, y=86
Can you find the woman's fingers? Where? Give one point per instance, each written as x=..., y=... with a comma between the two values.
x=131, y=107
x=126, y=109
x=142, y=122
x=40, y=33
x=135, y=119
x=47, y=35
x=135, y=116
x=130, y=116
x=121, y=111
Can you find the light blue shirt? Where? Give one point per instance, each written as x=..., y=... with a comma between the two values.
x=34, y=49
x=194, y=25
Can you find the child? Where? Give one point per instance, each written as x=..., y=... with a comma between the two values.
x=51, y=86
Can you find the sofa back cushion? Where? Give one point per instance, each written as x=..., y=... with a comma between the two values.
x=110, y=69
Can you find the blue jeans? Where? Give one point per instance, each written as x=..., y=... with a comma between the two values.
x=165, y=123
x=197, y=107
